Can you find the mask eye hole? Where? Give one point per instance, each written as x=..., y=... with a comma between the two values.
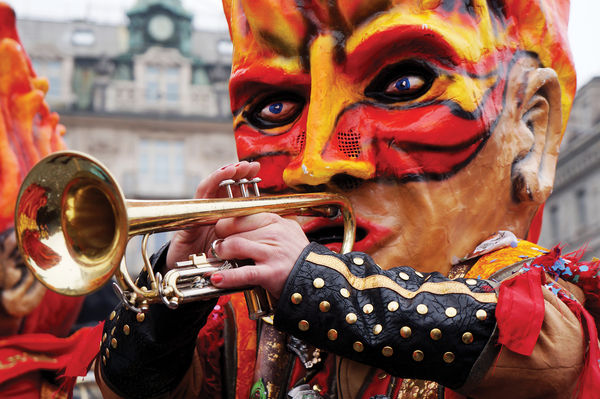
x=275, y=110
x=404, y=81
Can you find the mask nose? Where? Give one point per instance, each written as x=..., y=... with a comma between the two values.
x=330, y=148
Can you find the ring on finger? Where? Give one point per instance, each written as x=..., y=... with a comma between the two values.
x=213, y=246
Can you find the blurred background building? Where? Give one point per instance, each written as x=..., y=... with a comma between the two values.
x=149, y=98
x=572, y=213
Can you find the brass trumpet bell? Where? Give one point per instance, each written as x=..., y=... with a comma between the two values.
x=69, y=222
x=73, y=223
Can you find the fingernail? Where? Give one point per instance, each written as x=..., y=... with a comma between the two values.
x=216, y=278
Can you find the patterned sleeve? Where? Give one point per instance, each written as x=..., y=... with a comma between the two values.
x=407, y=323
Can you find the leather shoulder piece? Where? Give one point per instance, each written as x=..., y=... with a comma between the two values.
x=410, y=324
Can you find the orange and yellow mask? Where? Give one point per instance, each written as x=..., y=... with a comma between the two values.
x=340, y=94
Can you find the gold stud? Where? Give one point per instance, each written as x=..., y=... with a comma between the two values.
x=358, y=261
x=481, y=314
x=112, y=332
x=448, y=357
x=332, y=334
x=405, y=332
x=393, y=306
x=104, y=360
x=113, y=343
x=104, y=336
x=377, y=329
x=471, y=281
x=107, y=353
x=317, y=388
x=351, y=318
x=345, y=293
x=404, y=276
x=318, y=282
x=467, y=338
x=419, y=274
x=296, y=298
x=140, y=317
x=324, y=306
x=387, y=351
x=422, y=309
x=126, y=329
x=358, y=346
x=303, y=325
x=368, y=308
x=382, y=376
x=418, y=356
x=435, y=334
x=451, y=312
x=112, y=315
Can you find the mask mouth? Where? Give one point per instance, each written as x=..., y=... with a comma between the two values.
x=333, y=234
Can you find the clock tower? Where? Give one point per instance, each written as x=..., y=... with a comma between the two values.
x=162, y=23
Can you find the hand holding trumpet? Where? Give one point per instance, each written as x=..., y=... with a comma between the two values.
x=272, y=242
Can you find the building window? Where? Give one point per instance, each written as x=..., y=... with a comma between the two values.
x=172, y=83
x=83, y=37
x=152, y=84
x=161, y=168
x=51, y=70
x=200, y=77
x=163, y=84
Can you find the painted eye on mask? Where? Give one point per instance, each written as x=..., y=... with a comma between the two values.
x=405, y=81
x=275, y=111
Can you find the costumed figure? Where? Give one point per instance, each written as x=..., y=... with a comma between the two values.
x=441, y=121
x=34, y=322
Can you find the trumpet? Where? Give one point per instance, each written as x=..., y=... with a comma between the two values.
x=73, y=224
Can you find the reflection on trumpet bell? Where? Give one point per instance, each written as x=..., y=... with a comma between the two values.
x=73, y=223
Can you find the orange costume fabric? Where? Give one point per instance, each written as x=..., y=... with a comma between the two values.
x=39, y=346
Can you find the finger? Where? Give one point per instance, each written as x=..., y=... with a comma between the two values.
x=230, y=226
x=242, y=247
x=209, y=187
x=240, y=277
x=244, y=169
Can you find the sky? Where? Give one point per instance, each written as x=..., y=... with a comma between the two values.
x=584, y=29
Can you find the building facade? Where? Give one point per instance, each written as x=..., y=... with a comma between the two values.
x=149, y=99
x=572, y=213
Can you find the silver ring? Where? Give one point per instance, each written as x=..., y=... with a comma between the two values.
x=213, y=245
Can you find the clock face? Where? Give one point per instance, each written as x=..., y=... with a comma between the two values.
x=161, y=27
